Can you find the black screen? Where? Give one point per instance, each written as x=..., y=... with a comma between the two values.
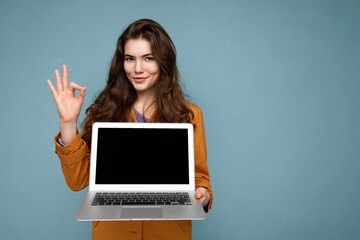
x=142, y=156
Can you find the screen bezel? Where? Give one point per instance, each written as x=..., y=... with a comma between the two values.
x=141, y=187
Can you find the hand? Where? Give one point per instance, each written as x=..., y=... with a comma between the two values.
x=68, y=105
x=202, y=195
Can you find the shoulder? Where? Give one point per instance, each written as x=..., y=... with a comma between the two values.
x=197, y=112
x=195, y=108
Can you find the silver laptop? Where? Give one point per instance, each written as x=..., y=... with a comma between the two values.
x=141, y=171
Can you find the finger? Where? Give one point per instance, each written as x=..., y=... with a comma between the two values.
x=201, y=200
x=74, y=86
x=52, y=88
x=59, y=83
x=199, y=195
x=82, y=94
x=65, y=78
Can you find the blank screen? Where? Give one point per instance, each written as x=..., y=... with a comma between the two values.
x=142, y=156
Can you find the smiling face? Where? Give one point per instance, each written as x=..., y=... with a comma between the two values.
x=140, y=65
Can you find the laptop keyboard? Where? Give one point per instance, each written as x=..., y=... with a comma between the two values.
x=102, y=199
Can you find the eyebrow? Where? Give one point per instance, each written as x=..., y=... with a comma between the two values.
x=145, y=55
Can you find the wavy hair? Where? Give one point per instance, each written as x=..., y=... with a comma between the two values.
x=115, y=101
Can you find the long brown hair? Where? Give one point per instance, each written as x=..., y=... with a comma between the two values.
x=114, y=102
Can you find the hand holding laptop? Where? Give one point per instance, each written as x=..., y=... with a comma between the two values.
x=202, y=196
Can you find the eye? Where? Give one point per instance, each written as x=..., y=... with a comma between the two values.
x=128, y=59
x=149, y=58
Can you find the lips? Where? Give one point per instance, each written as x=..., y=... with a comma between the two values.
x=139, y=79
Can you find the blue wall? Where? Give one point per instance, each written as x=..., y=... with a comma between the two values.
x=279, y=83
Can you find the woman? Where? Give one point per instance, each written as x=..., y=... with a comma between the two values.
x=142, y=86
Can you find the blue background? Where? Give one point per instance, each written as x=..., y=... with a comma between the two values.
x=279, y=84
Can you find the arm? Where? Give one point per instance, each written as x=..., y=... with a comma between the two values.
x=68, y=105
x=75, y=162
x=202, y=177
x=73, y=153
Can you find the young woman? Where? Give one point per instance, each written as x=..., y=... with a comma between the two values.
x=143, y=86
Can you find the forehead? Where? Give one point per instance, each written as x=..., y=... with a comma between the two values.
x=137, y=47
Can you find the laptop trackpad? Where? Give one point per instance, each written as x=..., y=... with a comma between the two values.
x=141, y=213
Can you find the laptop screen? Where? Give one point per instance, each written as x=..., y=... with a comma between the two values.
x=142, y=156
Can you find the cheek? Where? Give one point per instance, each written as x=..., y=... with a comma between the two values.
x=154, y=69
x=127, y=68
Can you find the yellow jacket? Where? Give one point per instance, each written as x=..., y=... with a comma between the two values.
x=75, y=164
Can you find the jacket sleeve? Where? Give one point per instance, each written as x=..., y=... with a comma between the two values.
x=202, y=176
x=75, y=162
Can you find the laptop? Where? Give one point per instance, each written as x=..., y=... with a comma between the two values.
x=141, y=171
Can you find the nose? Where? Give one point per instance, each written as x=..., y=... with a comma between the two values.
x=138, y=67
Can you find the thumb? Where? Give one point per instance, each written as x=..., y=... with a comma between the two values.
x=82, y=94
x=198, y=195
x=82, y=91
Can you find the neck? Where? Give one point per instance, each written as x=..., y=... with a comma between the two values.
x=144, y=105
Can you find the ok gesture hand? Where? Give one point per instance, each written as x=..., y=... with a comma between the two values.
x=67, y=103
